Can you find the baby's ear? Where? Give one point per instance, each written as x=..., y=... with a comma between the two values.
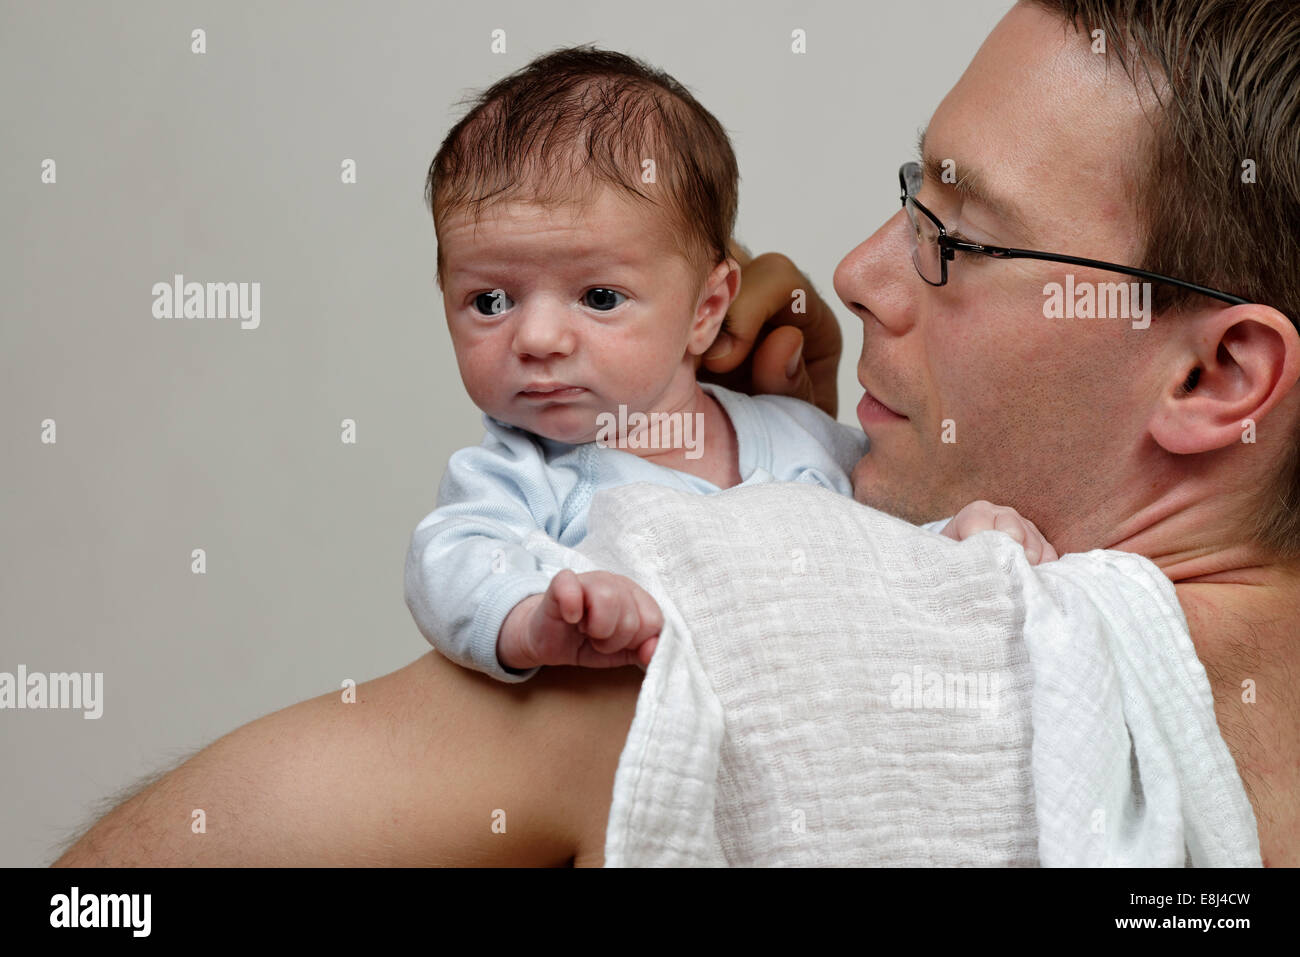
x=719, y=290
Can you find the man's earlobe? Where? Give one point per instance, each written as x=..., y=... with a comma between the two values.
x=1237, y=364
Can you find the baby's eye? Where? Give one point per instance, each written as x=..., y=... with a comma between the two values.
x=492, y=303
x=603, y=299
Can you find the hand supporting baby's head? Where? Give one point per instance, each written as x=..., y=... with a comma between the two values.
x=583, y=209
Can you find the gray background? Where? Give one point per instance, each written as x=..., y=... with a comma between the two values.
x=175, y=435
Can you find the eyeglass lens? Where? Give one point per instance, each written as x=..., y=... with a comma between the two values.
x=925, y=235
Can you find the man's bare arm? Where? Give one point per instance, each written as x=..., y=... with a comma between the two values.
x=416, y=772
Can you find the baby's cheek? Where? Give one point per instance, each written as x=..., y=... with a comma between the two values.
x=652, y=364
x=483, y=380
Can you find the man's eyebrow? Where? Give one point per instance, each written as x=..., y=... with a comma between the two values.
x=971, y=185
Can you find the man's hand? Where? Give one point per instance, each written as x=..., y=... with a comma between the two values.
x=985, y=516
x=767, y=347
x=592, y=620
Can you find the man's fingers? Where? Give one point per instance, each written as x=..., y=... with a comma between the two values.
x=765, y=287
x=768, y=291
x=774, y=295
x=780, y=354
x=739, y=253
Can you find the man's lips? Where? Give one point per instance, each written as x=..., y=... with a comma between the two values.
x=871, y=411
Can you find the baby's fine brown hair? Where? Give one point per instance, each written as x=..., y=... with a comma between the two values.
x=580, y=117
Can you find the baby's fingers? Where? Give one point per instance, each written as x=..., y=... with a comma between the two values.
x=624, y=624
x=975, y=517
x=611, y=617
x=652, y=618
x=564, y=598
x=620, y=614
x=646, y=652
x=589, y=657
x=1009, y=521
x=1037, y=548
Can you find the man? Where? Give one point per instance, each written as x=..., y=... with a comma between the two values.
x=1104, y=431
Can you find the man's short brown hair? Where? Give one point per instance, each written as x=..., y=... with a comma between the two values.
x=1220, y=191
x=580, y=117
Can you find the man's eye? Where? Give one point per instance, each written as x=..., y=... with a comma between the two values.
x=492, y=303
x=603, y=299
x=965, y=253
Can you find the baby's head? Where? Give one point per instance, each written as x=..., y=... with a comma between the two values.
x=583, y=209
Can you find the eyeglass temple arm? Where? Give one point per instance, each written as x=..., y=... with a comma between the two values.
x=1004, y=252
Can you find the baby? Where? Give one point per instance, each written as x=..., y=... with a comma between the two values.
x=583, y=209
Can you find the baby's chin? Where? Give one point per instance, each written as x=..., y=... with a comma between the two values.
x=572, y=426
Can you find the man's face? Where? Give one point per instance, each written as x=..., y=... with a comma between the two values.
x=560, y=314
x=983, y=397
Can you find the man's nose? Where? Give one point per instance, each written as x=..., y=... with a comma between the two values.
x=877, y=279
x=542, y=330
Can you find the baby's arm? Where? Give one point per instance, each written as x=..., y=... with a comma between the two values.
x=470, y=569
x=984, y=516
x=467, y=565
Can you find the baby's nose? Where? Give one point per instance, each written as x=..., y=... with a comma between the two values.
x=544, y=331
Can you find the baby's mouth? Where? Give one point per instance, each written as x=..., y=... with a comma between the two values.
x=551, y=392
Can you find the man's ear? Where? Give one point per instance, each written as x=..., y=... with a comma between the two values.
x=720, y=288
x=1231, y=366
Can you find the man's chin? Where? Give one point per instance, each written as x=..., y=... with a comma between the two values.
x=872, y=489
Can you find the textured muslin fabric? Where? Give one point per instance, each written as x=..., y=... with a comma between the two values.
x=834, y=686
x=468, y=563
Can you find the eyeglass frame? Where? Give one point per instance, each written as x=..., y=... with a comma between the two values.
x=948, y=247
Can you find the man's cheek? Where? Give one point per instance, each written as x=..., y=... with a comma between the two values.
x=954, y=412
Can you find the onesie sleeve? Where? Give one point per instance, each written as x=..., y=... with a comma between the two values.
x=467, y=566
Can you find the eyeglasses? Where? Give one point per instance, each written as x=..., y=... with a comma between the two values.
x=933, y=248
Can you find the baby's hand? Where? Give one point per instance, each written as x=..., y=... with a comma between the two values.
x=593, y=620
x=982, y=516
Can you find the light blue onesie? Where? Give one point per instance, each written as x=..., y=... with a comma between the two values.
x=467, y=566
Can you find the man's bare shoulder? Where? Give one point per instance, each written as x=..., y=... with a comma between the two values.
x=584, y=716
x=429, y=765
x=1244, y=638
